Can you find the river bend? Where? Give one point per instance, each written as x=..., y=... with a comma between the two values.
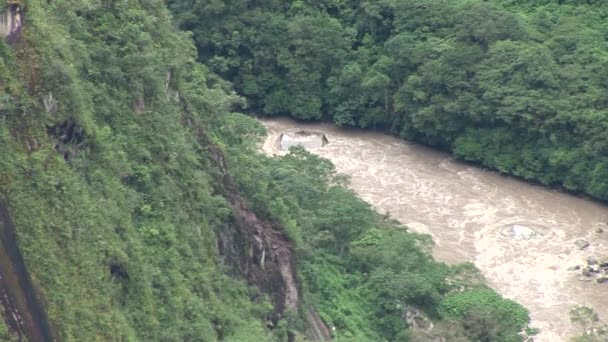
x=464, y=208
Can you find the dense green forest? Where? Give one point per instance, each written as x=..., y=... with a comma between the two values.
x=135, y=184
x=515, y=85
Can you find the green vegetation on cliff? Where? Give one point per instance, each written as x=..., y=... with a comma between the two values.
x=517, y=86
x=109, y=134
x=114, y=201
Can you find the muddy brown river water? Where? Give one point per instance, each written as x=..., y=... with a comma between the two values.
x=464, y=208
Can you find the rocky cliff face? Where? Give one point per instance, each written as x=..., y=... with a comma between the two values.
x=260, y=251
x=258, y=248
x=23, y=310
x=11, y=21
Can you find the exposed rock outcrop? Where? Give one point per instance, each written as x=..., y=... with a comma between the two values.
x=170, y=93
x=23, y=311
x=257, y=247
x=269, y=262
x=416, y=319
x=70, y=137
x=318, y=329
x=50, y=104
x=11, y=22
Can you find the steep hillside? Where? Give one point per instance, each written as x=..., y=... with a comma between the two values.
x=114, y=200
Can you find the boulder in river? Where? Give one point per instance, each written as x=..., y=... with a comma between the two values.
x=581, y=244
x=586, y=272
x=306, y=139
x=594, y=268
x=518, y=232
x=602, y=280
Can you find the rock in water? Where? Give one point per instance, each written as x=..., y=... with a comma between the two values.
x=518, y=232
x=601, y=280
x=308, y=140
x=581, y=244
x=586, y=272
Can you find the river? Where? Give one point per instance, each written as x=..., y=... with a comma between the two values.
x=464, y=208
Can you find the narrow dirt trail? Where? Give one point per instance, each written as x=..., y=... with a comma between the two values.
x=464, y=209
x=24, y=313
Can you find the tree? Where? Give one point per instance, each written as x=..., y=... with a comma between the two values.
x=486, y=316
x=344, y=215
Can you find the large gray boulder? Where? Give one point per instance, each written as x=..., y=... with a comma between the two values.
x=518, y=232
x=306, y=139
x=581, y=244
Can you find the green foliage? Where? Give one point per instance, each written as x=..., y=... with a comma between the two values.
x=445, y=330
x=486, y=316
x=588, y=321
x=483, y=79
x=344, y=216
x=5, y=333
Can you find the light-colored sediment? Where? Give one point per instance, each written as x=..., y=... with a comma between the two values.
x=464, y=208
